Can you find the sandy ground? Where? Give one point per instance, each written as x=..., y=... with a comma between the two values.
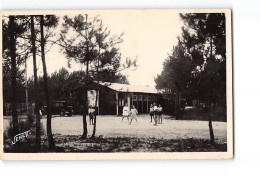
x=112, y=126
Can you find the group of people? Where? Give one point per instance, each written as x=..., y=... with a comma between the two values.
x=155, y=113
x=132, y=113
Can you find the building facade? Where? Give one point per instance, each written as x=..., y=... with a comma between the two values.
x=112, y=97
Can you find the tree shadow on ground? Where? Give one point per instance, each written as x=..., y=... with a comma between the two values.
x=73, y=144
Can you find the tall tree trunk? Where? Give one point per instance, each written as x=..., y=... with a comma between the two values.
x=85, y=99
x=46, y=89
x=14, y=83
x=85, y=92
x=95, y=118
x=36, y=101
x=212, y=138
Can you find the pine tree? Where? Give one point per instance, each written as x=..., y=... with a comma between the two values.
x=90, y=43
x=209, y=30
x=14, y=75
x=49, y=22
x=36, y=90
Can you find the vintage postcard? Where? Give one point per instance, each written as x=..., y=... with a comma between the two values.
x=116, y=84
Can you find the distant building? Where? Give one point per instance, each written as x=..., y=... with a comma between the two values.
x=113, y=96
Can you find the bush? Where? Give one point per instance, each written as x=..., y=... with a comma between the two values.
x=27, y=123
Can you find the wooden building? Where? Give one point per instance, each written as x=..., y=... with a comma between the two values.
x=113, y=96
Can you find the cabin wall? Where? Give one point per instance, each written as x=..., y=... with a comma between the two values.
x=142, y=101
x=107, y=101
x=112, y=102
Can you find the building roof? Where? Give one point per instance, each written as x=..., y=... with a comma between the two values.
x=129, y=88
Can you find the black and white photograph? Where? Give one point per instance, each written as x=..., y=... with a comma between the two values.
x=116, y=84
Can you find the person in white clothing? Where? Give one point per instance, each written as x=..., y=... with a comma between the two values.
x=160, y=110
x=125, y=113
x=151, y=112
x=91, y=113
x=134, y=113
x=155, y=109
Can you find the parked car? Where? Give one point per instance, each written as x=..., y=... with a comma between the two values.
x=59, y=108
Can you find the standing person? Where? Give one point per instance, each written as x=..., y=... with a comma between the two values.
x=155, y=109
x=134, y=113
x=91, y=113
x=160, y=110
x=151, y=112
x=125, y=113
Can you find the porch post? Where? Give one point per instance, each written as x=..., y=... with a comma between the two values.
x=137, y=101
x=116, y=103
x=128, y=102
x=147, y=104
x=132, y=100
x=98, y=101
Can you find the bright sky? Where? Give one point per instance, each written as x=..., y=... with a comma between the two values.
x=149, y=35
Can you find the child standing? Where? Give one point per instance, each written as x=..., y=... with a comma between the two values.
x=125, y=112
x=151, y=112
x=134, y=113
x=160, y=110
x=91, y=113
x=155, y=109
